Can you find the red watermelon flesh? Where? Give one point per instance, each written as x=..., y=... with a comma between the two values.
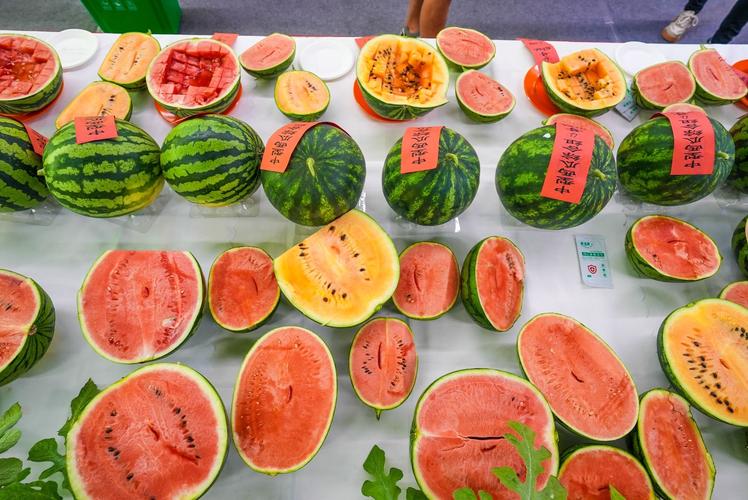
x=465, y=47
x=459, y=426
x=429, y=281
x=734, y=292
x=242, y=290
x=500, y=270
x=26, y=66
x=268, y=52
x=716, y=76
x=483, y=94
x=158, y=433
x=284, y=400
x=19, y=304
x=139, y=305
x=588, y=473
x=383, y=363
x=581, y=121
x=666, y=83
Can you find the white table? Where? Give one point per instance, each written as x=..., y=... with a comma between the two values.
x=627, y=316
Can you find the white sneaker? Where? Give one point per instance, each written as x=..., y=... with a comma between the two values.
x=678, y=27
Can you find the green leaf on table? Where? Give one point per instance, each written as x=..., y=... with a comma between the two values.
x=9, y=439
x=46, y=451
x=414, y=494
x=468, y=494
x=12, y=471
x=10, y=418
x=86, y=394
x=384, y=485
x=35, y=490
x=615, y=494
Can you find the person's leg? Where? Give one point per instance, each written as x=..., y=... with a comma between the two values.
x=695, y=5
x=413, y=17
x=433, y=17
x=732, y=24
x=683, y=22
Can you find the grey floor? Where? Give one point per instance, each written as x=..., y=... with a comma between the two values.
x=594, y=20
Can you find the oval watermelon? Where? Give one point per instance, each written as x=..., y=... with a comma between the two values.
x=590, y=473
x=736, y=292
x=433, y=197
x=21, y=186
x=740, y=245
x=521, y=173
x=464, y=48
x=739, y=175
x=663, y=84
x=269, y=57
x=30, y=75
x=482, y=98
x=716, y=82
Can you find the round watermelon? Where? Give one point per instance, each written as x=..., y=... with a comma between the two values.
x=324, y=178
x=30, y=74
x=740, y=245
x=432, y=197
x=21, y=186
x=644, y=163
x=103, y=178
x=212, y=160
x=521, y=173
x=739, y=175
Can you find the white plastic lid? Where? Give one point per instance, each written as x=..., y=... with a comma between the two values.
x=633, y=57
x=75, y=47
x=328, y=59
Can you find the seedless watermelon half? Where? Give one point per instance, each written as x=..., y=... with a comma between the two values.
x=284, y=400
x=140, y=305
x=716, y=82
x=464, y=48
x=269, y=57
x=458, y=428
x=736, y=292
x=30, y=74
x=160, y=432
x=663, y=84
x=482, y=98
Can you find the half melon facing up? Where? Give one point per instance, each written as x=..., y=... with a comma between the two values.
x=458, y=430
x=465, y=49
x=30, y=74
x=160, y=432
x=482, y=98
x=736, y=292
x=27, y=324
x=97, y=99
x=140, y=305
x=343, y=273
x=586, y=82
x=703, y=350
x=269, y=57
x=301, y=95
x=663, y=84
x=127, y=61
x=401, y=78
x=194, y=76
x=284, y=400
x=716, y=82
x=669, y=249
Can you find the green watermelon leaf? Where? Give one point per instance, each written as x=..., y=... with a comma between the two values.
x=9, y=439
x=46, y=451
x=414, y=494
x=468, y=494
x=89, y=391
x=384, y=486
x=12, y=471
x=35, y=490
x=10, y=418
x=615, y=494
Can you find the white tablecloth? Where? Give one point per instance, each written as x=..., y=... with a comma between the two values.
x=627, y=316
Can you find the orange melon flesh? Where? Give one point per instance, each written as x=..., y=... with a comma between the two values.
x=26, y=66
x=268, y=52
x=19, y=304
x=301, y=93
x=429, y=280
x=736, y=292
x=587, y=386
x=588, y=473
x=500, y=270
x=587, y=78
x=97, y=99
x=128, y=59
x=284, y=400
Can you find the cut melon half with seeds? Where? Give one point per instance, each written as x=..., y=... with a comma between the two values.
x=97, y=99
x=301, y=95
x=127, y=61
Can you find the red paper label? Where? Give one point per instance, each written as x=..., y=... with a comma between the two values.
x=541, y=50
x=361, y=41
x=94, y=128
x=693, y=148
x=38, y=141
x=227, y=38
x=570, y=161
x=282, y=144
x=420, y=149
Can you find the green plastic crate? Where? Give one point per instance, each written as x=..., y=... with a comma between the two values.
x=122, y=16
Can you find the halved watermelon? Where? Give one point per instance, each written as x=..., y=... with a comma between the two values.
x=429, y=281
x=160, y=432
x=663, y=84
x=30, y=74
x=383, y=363
x=194, y=76
x=27, y=324
x=269, y=57
x=97, y=99
x=716, y=82
x=140, y=305
x=736, y=292
x=128, y=59
x=242, y=290
x=682, y=107
x=301, y=95
x=284, y=400
x=464, y=48
x=588, y=472
x=584, y=382
x=669, y=249
x=482, y=98
x=458, y=432
x=669, y=443
x=493, y=283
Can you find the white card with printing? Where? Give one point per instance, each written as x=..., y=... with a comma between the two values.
x=593, y=261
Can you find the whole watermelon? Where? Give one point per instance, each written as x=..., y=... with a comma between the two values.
x=104, y=178
x=521, y=173
x=21, y=187
x=644, y=161
x=432, y=197
x=324, y=178
x=740, y=245
x=739, y=176
x=212, y=160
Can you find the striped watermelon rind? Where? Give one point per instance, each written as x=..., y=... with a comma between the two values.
x=475, y=114
x=645, y=103
x=42, y=97
x=105, y=178
x=324, y=178
x=521, y=172
x=702, y=95
x=456, y=66
x=433, y=197
x=41, y=330
x=644, y=162
x=212, y=160
x=740, y=245
x=21, y=186
x=739, y=175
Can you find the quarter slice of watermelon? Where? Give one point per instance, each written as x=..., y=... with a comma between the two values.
x=716, y=82
x=30, y=74
x=663, y=84
x=482, y=98
x=269, y=57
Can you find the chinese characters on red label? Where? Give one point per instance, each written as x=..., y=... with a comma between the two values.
x=282, y=144
x=570, y=161
x=420, y=149
x=38, y=141
x=94, y=128
x=227, y=38
x=541, y=51
x=693, y=148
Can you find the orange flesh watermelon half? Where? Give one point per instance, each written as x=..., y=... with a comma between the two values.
x=160, y=432
x=284, y=400
x=736, y=292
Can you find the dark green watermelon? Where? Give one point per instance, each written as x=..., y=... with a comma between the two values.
x=324, y=178
x=433, y=197
x=739, y=176
x=21, y=187
x=644, y=160
x=521, y=173
x=740, y=245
